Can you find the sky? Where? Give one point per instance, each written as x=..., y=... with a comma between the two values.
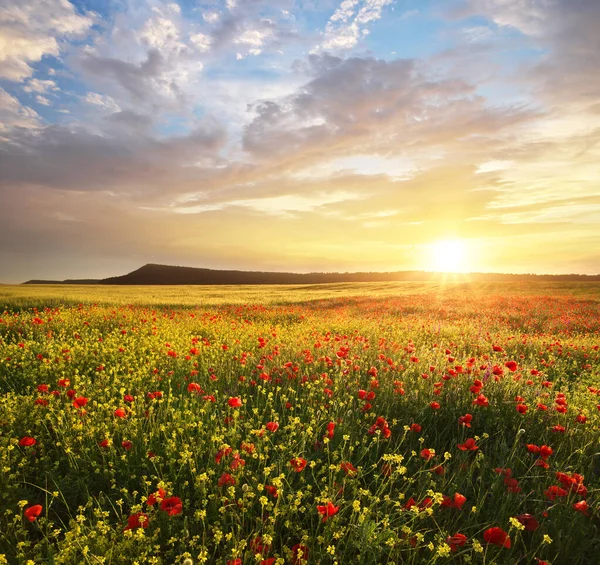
x=299, y=135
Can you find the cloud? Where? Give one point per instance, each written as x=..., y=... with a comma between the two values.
x=348, y=23
x=32, y=29
x=15, y=115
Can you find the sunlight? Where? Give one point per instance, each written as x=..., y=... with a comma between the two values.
x=448, y=256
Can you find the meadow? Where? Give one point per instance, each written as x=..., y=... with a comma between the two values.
x=374, y=423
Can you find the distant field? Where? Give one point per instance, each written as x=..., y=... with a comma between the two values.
x=371, y=423
x=17, y=296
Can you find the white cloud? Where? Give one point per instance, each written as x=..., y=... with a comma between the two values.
x=347, y=24
x=14, y=114
x=201, y=41
x=31, y=29
x=40, y=86
x=104, y=102
x=43, y=100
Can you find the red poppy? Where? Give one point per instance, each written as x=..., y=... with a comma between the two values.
x=427, y=454
x=237, y=561
x=465, y=421
x=521, y=408
x=545, y=451
x=456, y=501
x=327, y=511
x=298, y=464
x=481, y=400
x=42, y=388
x=226, y=479
x=80, y=402
x=582, y=507
x=416, y=428
x=348, y=468
x=330, y=430
x=172, y=506
x=497, y=536
x=511, y=365
x=456, y=541
x=533, y=448
x=469, y=445
x=529, y=521
x=33, y=512
x=195, y=387
x=27, y=441
x=103, y=443
x=272, y=426
x=272, y=490
x=434, y=405
x=552, y=492
x=158, y=496
x=235, y=402
x=222, y=453
x=138, y=520
x=120, y=413
x=126, y=444
x=299, y=554
x=128, y=398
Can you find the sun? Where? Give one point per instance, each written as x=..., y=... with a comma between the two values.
x=448, y=256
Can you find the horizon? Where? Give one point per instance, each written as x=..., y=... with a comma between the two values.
x=457, y=136
x=445, y=276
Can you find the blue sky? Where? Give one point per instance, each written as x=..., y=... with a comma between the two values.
x=298, y=135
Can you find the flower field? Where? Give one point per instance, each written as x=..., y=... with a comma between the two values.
x=403, y=427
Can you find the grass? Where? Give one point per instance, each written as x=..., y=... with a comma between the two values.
x=348, y=444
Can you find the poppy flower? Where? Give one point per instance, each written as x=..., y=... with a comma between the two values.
x=27, y=441
x=195, y=387
x=552, y=492
x=226, y=479
x=235, y=402
x=298, y=464
x=521, y=408
x=272, y=490
x=33, y=512
x=529, y=521
x=481, y=400
x=434, y=405
x=456, y=541
x=348, y=468
x=497, y=536
x=545, y=451
x=126, y=444
x=299, y=554
x=456, y=501
x=80, y=402
x=272, y=426
x=469, y=445
x=427, y=454
x=222, y=453
x=416, y=428
x=330, y=430
x=582, y=507
x=158, y=496
x=533, y=448
x=120, y=413
x=172, y=506
x=128, y=398
x=511, y=365
x=465, y=421
x=237, y=561
x=103, y=443
x=327, y=511
x=138, y=520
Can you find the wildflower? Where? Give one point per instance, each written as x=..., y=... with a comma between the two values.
x=465, y=421
x=456, y=541
x=481, y=400
x=469, y=445
x=554, y=491
x=235, y=402
x=172, y=506
x=226, y=479
x=529, y=521
x=427, y=454
x=33, y=512
x=138, y=520
x=545, y=452
x=416, y=428
x=299, y=554
x=298, y=464
x=348, y=468
x=327, y=511
x=434, y=405
x=120, y=413
x=27, y=441
x=128, y=398
x=80, y=402
x=272, y=426
x=497, y=536
x=521, y=408
x=582, y=507
x=330, y=430
x=158, y=496
x=195, y=387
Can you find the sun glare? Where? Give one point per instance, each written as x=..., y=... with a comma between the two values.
x=448, y=256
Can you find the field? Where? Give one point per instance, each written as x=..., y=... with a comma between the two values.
x=390, y=423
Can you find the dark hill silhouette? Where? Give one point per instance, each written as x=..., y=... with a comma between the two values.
x=152, y=274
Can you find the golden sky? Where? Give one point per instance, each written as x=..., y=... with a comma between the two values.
x=299, y=136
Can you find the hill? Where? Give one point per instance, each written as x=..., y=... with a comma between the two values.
x=153, y=274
